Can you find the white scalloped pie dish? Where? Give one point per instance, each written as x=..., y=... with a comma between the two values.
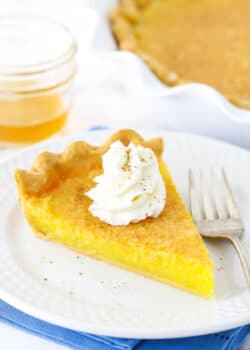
x=55, y=284
x=197, y=108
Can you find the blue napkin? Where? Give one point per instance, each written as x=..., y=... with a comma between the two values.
x=228, y=340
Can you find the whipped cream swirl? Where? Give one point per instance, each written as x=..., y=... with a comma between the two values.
x=131, y=187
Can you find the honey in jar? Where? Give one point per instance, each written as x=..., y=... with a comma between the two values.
x=36, y=74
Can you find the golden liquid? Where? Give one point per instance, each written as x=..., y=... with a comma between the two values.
x=31, y=119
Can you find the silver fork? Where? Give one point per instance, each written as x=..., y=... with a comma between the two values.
x=218, y=218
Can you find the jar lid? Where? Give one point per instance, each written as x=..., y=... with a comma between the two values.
x=31, y=44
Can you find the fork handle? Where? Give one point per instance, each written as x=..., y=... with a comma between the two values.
x=244, y=257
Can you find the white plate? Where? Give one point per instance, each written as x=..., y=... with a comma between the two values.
x=91, y=296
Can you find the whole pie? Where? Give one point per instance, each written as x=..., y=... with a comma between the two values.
x=205, y=41
x=167, y=247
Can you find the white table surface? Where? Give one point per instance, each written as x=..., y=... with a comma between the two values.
x=15, y=339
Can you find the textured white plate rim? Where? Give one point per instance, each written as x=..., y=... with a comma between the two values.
x=107, y=130
x=72, y=324
x=162, y=333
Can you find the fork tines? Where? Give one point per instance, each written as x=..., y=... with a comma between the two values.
x=212, y=206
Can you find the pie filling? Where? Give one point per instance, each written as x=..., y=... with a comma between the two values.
x=167, y=247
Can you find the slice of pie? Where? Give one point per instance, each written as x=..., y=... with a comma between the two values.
x=205, y=41
x=167, y=248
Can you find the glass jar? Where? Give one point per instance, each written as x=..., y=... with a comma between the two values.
x=37, y=67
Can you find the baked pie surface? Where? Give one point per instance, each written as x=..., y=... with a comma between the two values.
x=167, y=248
x=184, y=41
